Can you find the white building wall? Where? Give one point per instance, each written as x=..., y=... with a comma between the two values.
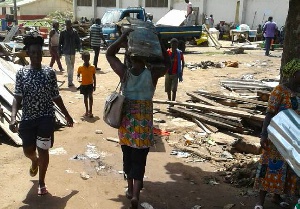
x=222, y=10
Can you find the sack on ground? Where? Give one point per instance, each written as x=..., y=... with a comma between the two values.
x=112, y=114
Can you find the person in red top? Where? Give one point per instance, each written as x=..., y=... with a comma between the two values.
x=88, y=82
x=175, y=73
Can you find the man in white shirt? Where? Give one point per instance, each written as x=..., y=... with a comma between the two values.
x=189, y=10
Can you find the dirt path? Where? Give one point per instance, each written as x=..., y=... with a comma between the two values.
x=170, y=183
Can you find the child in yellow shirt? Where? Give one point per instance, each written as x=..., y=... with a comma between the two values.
x=88, y=83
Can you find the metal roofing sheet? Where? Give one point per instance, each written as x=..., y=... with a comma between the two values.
x=284, y=132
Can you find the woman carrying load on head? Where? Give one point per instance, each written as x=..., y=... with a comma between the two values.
x=274, y=175
x=136, y=130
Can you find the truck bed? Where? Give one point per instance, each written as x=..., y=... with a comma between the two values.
x=180, y=32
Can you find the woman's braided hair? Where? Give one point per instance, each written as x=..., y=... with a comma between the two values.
x=32, y=38
x=291, y=68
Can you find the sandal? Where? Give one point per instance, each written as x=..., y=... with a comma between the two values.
x=258, y=207
x=42, y=190
x=33, y=172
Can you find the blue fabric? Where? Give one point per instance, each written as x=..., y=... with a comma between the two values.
x=179, y=67
x=139, y=87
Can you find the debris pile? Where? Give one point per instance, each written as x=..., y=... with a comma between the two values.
x=214, y=114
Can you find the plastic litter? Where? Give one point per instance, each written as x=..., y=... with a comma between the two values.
x=147, y=205
x=57, y=151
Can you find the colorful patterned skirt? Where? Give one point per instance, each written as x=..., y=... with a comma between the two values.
x=274, y=175
x=137, y=124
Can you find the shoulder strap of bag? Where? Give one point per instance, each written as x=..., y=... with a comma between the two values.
x=123, y=81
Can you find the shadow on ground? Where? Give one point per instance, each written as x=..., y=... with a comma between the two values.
x=48, y=201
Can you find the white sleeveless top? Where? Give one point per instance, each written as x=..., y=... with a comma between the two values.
x=55, y=39
x=139, y=87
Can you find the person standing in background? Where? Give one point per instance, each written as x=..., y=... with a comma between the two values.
x=211, y=21
x=269, y=31
x=53, y=45
x=175, y=72
x=95, y=39
x=188, y=16
x=68, y=43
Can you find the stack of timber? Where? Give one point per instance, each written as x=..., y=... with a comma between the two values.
x=212, y=111
x=7, y=84
x=245, y=85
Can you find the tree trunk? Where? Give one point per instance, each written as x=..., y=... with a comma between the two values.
x=291, y=44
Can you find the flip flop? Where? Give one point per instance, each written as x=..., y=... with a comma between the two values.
x=42, y=190
x=33, y=172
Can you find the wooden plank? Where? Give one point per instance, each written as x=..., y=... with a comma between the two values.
x=207, y=120
x=214, y=95
x=204, y=99
x=222, y=110
x=4, y=124
x=201, y=125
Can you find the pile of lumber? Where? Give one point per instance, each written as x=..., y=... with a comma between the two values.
x=245, y=85
x=212, y=111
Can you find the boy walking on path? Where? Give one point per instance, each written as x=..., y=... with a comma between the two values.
x=95, y=39
x=175, y=73
x=53, y=45
x=88, y=83
x=68, y=43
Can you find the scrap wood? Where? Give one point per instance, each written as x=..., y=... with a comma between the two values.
x=214, y=95
x=211, y=128
x=222, y=110
x=204, y=99
x=201, y=125
x=198, y=153
x=207, y=120
x=230, y=120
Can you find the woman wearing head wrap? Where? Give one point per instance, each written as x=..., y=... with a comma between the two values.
x=36, y=89
x=273, y=174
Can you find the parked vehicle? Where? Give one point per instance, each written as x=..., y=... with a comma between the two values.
x=182, y=33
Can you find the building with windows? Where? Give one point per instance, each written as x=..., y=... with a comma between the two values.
x=33, y=9
x=250, y=12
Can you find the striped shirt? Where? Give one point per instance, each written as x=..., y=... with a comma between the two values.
x=95, y=35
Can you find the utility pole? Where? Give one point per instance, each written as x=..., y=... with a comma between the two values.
x=15, y=12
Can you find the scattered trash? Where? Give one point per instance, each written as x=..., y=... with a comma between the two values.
x=121, y=172
x=160, y=132
x=158, y=120
x=79, y=157
x=111, y=139
x=147, y=205
x=228, y=206
x=84, y=175
x=57, y=151
x=196, y=207
x=70, y=171
x=226, y=155
x=99, y=132
x=183, y=155
x=92, y=152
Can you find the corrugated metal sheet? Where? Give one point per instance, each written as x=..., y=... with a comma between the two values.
x=284, y=132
